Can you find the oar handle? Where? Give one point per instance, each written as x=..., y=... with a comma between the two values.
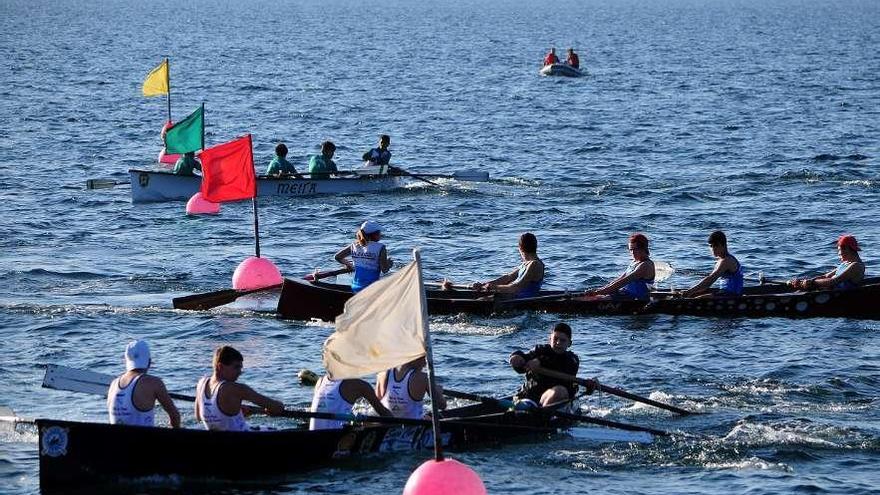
x=610, y=390
x=314, y=277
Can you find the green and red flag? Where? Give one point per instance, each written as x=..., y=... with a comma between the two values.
x=188, y=134
x=228, y=171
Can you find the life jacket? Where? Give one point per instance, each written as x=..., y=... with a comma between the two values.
x=532, y=288
x=397, y=398
x=121, y=407
x=639, y=288
x=366, y=264
x=573, y=61
x=212, y=417
x=328, y=399
x=732, y=283
x=551, y=59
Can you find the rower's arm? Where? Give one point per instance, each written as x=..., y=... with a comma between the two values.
x=708, y=280
x=532, y=274
x=384, y=262
x=504, y=279
x=359, y=389
x=640, y=272
x=342, y=255
x=248, y=394
x=167, y=404
x=854, y=272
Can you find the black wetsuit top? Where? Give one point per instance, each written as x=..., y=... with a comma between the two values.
x=535, y=384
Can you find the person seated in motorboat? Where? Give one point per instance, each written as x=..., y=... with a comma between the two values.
x=849, y=274
x=524, y=281
x=540, y=390
x=636, y=282
x=379, y=155
x=551, y=57
x=339, y=397
x=132, y=397
x=369, y=258
x=727, y=269
x=321, y=166
x=279, y=166
x=402, y=390
x=219, y=396
x=572, y=59
x=187, y=164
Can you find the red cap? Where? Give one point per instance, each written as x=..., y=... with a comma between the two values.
x=848, y=241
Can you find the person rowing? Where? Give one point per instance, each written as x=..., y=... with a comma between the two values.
x=402, y=390
x=132, y=397
x=727, y=269
x=219, y=396
x=849, y=274
x=339, y=397
x=636, y=282
x=379, y=155
x=541, y=390
x=369, y=258
x=524, y=281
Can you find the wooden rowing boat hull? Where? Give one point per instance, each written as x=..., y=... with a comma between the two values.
x=151, y=186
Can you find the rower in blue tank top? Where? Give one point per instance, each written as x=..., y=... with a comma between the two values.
x=849, y=274
x=524, y=281
x=637, y=280
x=727, y=269
x=369, y=258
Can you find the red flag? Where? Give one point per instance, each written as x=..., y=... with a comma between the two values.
x=228, y=171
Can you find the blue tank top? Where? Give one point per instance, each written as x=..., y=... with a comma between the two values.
x=638, y=288
x=366, y=264
x=846, y=284
x=732, y=283
x=532, y=288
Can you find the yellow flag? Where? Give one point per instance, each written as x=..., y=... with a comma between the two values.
x=156, y=82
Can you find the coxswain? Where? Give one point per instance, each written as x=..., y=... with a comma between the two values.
x=849, y=274
x=727, y=269
x=637, y=281
x=133, y=395
x=572, y=59
x=402, y=390
x=369, y=258
x=539, y=389
x=187, y=164
x=524, y=281
x=279, y=166
x=380, y=155
x=338, y=397
x=321, y=166
x=551, y=57
x=219, y=397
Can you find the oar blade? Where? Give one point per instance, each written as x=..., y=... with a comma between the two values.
x=102, y=183
x=603, y=435
x=471, y=176
x=207, y=300
x=70, y=379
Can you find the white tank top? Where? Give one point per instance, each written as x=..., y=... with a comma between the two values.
x=397, y=398
x=212, y=417
x=328, y=399
x=120, y=405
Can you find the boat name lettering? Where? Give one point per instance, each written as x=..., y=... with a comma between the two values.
x=54, y=441
x=298, y=188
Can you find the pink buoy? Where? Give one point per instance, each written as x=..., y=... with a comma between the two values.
x=197, y=205
x=255, y=273
x=167, y=159
x=447, y=477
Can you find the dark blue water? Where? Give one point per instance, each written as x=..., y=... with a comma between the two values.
x=761, y=118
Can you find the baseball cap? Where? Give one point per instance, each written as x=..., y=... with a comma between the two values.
x=371, y=227
x=848, y=241
x=137, y=355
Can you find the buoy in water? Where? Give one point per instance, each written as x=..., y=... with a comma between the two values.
x=447, y=477
x=307, y=377
x=197, y=205
x=255, y=273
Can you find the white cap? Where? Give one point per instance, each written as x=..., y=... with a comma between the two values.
x=370, y=227
x=137, y=355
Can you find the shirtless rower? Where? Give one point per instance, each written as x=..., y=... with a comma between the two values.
x=848, y=274
x=402, y=390
x=636, y=281
x=727, y=268
x=132, y=397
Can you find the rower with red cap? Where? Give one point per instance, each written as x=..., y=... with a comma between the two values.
x=848, y=274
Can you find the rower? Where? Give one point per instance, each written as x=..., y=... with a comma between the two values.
x=849, y=274
x=541, y=389
x=636, y=282
x=132, y=396
x=402, y=390
x=380, y=155
x=727, y=268
x=279, y=166
x=187, y=164
x=524, y=281
x=338, y=397
x=369, y=258
x=219, y=396
x=321, y=166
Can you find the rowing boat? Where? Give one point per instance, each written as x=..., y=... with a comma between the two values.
x=151, y=186
x=302, y=300
x=79, y=453
x=564, y=70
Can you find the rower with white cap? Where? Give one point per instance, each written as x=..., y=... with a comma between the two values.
x=369, y=258
x=132, y=396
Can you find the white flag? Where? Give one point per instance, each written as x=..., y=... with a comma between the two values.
x=383, y=326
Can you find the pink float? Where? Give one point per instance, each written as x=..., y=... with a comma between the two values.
x=255, y=273
x=448, y=477
x=197, y=205
x=167, y=159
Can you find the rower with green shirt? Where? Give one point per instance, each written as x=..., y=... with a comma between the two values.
x=321, y=166
x=279, y=166
x=187, y=164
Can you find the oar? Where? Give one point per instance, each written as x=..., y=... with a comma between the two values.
x=104, y=183
x=462, y=175
x=401, y=171
x=504, y=403
x=363, y=418
x=316, y=275
x=60, y=377
x=208, y=300
x=8, y=417
x=609, y=390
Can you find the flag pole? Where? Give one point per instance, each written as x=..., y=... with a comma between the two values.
x=429, y=357
x=254, y=199
x=168, y=85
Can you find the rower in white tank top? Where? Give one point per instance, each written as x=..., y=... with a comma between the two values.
x=398, y=399
x=328, y=399
x=121, y=407
x=212, y=417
